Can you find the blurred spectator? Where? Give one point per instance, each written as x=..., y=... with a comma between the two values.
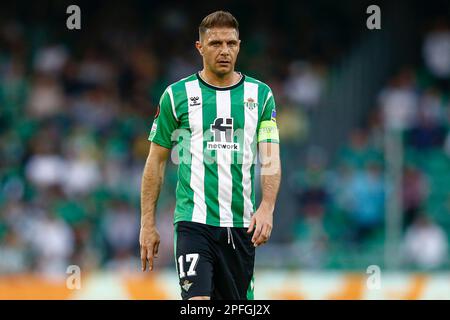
x=414, y=192
x=121, y=226
x=45, y=168
x=46, y=97
x=431, y=105
x=305, y=84
x=425, y=244
x=310, y=242
x=426, y=134
x=50, y=59
x=82, y=175
x=436, y=49
x=97, y=109
x=366, y=202
x=82, y=172
x=295, y=123
x=340, y=181
x=53, y=243
x=359, y=151
x=180, y=66
x=310, y=185
x=399, y=101
x=95, y=69
x=12, y=254
x=428, y=129
x=14, y=88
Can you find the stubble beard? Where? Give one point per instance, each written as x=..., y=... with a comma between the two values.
x=219, y=73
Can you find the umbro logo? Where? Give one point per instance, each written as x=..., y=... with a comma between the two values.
x=186, y=285
x=194, y=101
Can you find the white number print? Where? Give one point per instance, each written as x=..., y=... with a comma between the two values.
x=193, y=259
x=181, y=268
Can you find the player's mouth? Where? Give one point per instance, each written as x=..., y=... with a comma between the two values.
x=224, y=63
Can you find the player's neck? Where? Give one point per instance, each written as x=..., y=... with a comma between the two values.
x=225, y=81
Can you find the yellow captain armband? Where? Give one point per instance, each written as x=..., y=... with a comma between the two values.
x=268, y=132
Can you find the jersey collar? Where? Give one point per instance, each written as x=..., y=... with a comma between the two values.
x=241, y=81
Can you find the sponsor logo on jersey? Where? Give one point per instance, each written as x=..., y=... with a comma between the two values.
x=274, y=115
x=222, y=130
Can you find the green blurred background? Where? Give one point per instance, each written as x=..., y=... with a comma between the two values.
x=363, y=116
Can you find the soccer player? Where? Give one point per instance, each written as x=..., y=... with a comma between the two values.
x=218, y=119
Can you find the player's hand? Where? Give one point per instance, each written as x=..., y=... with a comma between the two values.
x=263, y=219
x=149, y=241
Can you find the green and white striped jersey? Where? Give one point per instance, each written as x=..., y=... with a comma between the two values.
x=215, y=131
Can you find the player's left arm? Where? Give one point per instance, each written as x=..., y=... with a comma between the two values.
x=269, y=155
x=270, y=183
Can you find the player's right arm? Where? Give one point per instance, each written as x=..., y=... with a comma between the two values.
x=152, y=179
x=164, y=125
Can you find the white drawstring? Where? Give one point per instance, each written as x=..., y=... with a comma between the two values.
x=230, y=236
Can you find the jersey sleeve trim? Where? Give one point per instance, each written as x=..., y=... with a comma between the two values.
x=160, y=142
x=267, y=99
x=169, y=91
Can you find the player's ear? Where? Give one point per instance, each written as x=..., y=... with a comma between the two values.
x=199, y=47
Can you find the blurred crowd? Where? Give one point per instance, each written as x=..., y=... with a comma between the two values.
x=75, y=114
x=342, y=203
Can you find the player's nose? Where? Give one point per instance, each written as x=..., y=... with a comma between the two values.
x=225, y=54
x=225, y=50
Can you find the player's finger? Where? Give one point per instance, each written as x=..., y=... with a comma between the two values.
x=150, y=259
x=143, y=258
x=155, y=249
x=269, y=232
x=252, y=224
x=262, y=237
x=256, y=234
x=266, y=232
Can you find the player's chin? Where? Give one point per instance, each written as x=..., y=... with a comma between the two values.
x=224, y=68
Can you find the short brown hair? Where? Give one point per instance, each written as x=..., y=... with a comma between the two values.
x=218, y=19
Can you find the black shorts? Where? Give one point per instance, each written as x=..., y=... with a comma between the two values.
x=213, y=261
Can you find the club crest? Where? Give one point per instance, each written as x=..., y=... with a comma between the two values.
x=186, y=285
x=250, y=104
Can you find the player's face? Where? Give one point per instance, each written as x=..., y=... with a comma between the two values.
x=219, y=48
